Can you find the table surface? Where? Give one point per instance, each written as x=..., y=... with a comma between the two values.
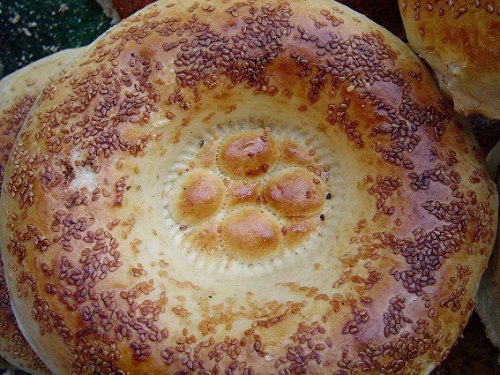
x=32, y=29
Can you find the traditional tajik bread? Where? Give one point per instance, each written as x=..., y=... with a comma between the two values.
x=460, y=39
x=488, y=296
x=245, y=188
x=18, y=92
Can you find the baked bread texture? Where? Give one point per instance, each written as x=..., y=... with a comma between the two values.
x=18, y=92
x=245, y=188
x=461, y=42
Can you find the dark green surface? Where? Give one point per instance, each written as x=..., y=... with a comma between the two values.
x=32, y=29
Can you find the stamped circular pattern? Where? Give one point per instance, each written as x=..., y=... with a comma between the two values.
x=249, y=196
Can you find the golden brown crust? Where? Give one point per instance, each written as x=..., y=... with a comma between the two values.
x=460, y=40
x=294, y=192
x=349, y=238
x=250, y=234
x=247, y=154
x=18, y=92
x=197, y=195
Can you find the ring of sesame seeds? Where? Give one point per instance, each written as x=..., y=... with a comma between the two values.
x=143, y=141
x=18, y=92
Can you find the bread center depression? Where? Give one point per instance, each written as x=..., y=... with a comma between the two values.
x=258, y=197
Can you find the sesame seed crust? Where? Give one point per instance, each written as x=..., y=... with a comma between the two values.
x=460, y=41
x=18, y=92
x=233, y=187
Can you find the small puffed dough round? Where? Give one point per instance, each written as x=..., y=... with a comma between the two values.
x=461, y=42
x=256, y=187
x=18, y=92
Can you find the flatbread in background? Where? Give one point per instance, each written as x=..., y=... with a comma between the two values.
x=18, y=92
